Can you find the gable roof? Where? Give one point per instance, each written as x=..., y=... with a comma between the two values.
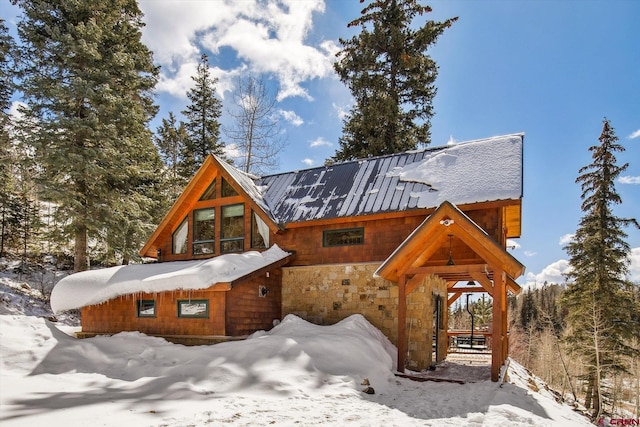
x=483, y=170
x=476, y=171
x=445, y=222
x=211, y=168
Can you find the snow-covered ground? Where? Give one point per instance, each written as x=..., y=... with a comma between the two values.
x=297, y=374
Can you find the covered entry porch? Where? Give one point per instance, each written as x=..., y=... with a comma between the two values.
x=449, y=245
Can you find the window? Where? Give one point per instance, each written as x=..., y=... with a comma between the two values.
x=210, y=192
x=179, y=238
x=259, y=232
x=146, y=308
x=193, y=308
x=232, y=235
x=347, y=236
x=227, y=190
x=204, y=231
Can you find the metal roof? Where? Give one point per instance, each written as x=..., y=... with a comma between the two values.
x=492, y=170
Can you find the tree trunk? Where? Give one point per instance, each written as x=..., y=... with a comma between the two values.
x=80, y=258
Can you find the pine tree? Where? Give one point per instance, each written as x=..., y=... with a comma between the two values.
x=598, y=296
x=88, y=79
x=202, y=121
x=170, y=139
x=6, y=159
x=391, y=77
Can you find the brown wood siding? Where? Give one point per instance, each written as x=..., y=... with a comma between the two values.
x=381, y=237
x=247, y=312
x=120, y=314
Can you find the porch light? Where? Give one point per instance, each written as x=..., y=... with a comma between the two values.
x=450, y=261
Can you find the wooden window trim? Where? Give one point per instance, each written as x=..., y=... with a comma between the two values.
x=139, y=304
x=327, y=233
x=192, y=316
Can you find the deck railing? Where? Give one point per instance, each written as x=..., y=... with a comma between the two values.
x=465, y=341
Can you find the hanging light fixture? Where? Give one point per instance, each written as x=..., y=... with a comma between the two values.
x=450, y=261
x=471, y=283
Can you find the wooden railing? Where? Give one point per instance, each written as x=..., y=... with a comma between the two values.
x=464, y=341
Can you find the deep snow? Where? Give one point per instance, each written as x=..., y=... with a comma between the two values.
x=295, y=374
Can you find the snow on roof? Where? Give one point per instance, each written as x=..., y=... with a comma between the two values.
x=472, y=172
x=248, y=183
x=469, y=172
x=97, y=286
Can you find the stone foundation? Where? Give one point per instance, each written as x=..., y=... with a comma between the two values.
x=326, y=294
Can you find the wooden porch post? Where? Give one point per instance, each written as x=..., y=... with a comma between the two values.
x=402, y=322
x=499, y=323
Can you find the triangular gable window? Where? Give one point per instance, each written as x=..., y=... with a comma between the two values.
x=210, y=192
x=227, y=189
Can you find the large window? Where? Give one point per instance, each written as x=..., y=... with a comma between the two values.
x=232, y=233
x=146, y=308
x=204, y=232
x=346, y=236
x=193, y=308
x=179, y=238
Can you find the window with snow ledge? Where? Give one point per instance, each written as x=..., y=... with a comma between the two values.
x=193, y=308
x=343, y=237
x=146, y=308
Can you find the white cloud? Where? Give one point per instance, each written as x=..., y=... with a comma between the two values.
x=266, y=36
x=553, y=273
x=635, y=134
x=512, y=244
x=291, y=117
x=308, y=162
x=629, y=180
x=320, y=142
x=233, y=151
x=530, y=253
x=566, y=239
x=341, y=111
x=14, y=110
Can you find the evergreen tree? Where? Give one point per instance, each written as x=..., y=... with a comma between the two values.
x=88, y=81
x=391, y=77
x=598, y=296
x=170, y=139
x=6, y=158
x=203, y=126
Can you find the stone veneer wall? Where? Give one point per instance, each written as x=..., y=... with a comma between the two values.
x=326, y=294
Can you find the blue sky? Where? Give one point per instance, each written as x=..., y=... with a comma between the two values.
x=550, y=69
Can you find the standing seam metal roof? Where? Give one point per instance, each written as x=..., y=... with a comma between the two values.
x=379, y=184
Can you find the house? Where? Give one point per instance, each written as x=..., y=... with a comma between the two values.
x=390, y=237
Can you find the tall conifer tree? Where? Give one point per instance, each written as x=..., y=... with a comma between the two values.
x=202, y=121
x=171, y=138
x=391, y=77
x=88, y=81
x=599, y=298
x=6, y=160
